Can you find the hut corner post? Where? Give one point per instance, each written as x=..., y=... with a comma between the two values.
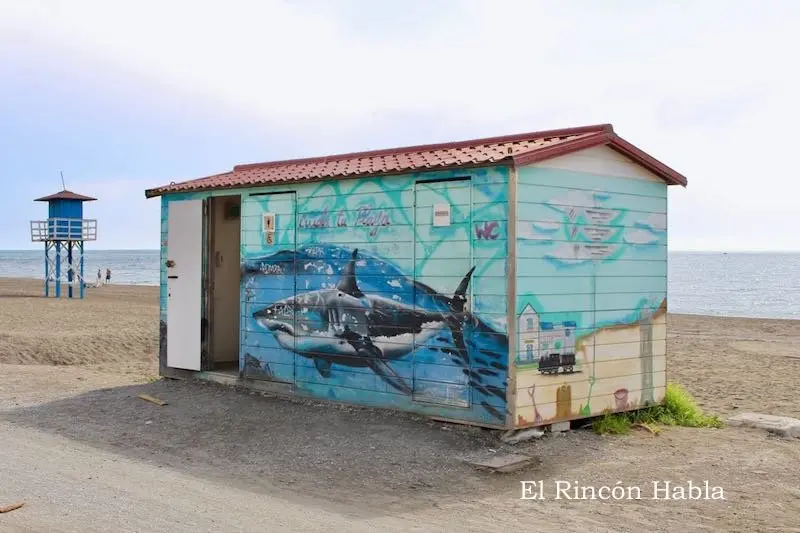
x=511, y=306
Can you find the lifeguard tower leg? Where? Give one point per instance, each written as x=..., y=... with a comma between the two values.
x=70, y=275
x=46, y=269
x=80, y=250
x=58, y=269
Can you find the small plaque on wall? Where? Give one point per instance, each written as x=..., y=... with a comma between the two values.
x=268, y=227
x=441, y=215
x=268, y=222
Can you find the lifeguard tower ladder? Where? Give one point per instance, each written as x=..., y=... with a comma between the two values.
x=63, y=234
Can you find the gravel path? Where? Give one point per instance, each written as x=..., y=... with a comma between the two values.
x=75, y=488
x=86, y=454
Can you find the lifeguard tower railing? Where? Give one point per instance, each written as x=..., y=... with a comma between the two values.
x=63, y=240
x=64, y=229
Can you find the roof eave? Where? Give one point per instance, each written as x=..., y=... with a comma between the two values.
x=152, y=193
x=537, y=155
x=165, y=189
x=52, y=197
x=671, y=176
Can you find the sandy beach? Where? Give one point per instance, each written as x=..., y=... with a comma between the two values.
x=71, y=370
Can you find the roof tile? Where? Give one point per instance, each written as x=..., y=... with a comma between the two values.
x=523, y=147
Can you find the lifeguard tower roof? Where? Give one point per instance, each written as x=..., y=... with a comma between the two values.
x=65, y=195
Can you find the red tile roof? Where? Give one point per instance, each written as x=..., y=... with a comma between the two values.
x=66, y=195
x=520, y=149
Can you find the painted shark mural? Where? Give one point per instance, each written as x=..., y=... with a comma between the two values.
x=345, y=326
x=348, y=324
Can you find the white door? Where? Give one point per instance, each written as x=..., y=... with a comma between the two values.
x=184, y=283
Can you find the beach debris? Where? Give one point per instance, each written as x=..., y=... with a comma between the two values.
x=152, y=399
x=12, y=507
x=652, y=430
x=514, y=436
x=500, y=462
x=780, y=425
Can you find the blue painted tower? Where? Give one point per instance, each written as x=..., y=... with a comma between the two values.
x=63, y=234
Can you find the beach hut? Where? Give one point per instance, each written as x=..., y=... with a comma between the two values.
x=508, y=282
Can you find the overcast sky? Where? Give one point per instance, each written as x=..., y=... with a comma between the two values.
x=126, y=95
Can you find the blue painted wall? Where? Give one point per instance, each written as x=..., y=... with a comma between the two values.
x=65, y=209
x=591, y=281
x=394, y=333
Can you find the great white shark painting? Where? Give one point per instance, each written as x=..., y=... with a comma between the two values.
x=345, y=324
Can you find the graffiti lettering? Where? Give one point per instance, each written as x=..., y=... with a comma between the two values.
x=487, y=231
x=373, y=219
x=365, y=216
x=271, y=269
x=319, y=221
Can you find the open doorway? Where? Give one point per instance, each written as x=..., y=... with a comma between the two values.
x=224, y=281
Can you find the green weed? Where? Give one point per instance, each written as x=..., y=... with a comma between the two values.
x=678, y=409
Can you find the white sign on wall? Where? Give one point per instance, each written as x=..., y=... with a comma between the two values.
x=441, y=215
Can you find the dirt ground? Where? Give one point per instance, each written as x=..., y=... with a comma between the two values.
x=86, y=454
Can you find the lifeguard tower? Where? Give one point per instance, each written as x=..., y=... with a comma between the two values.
x=63, y=234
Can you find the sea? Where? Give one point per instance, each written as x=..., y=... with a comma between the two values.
x=758, y=285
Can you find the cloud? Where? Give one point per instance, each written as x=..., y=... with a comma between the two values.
x=638, y=236
x=295, y=60
x=702, y=86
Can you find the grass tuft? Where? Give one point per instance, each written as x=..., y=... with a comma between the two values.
x=678, y=409
x=612, y=424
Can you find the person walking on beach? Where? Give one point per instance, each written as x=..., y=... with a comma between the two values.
x=99, y=277
x=108, y=276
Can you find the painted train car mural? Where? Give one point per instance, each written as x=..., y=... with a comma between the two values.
x=591, y=294
x=351, y=291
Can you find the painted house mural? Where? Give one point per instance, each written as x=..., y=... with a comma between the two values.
x=592, y=266
x=393, y=291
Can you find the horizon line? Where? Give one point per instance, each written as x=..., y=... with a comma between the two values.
x=682, y=250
